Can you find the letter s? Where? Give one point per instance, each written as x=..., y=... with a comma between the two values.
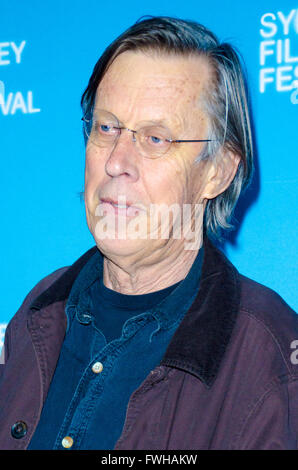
x=268, y=24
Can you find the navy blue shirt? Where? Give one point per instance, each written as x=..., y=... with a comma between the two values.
x=111, y=309
x=112, y=342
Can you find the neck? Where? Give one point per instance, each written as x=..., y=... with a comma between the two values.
x=154, y=273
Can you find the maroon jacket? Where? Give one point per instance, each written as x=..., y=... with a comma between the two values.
x=228, y=380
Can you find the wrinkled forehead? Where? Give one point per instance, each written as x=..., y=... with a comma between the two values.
x=137, y=83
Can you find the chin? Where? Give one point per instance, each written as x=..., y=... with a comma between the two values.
x=111, y=247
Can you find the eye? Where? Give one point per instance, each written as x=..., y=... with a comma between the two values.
x=105, y=128
x=153, y=139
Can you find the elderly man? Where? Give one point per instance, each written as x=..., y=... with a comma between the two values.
x=152, y=339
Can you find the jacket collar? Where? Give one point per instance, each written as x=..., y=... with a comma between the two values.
x=60, y=289
x=201, y=339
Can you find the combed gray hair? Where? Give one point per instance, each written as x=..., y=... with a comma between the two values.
x=225, y=101
x=230, y=129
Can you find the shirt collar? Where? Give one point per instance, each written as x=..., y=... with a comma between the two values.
x=166, y=312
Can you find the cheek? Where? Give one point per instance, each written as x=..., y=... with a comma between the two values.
x=94, y=167
x=169, y=183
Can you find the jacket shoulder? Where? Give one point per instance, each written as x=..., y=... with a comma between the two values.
x=276, y=321
x=257, y=298
x=40, y=287
x=19, y=320
x=53, y=287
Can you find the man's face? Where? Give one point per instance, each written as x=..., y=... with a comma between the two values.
x=141, y=89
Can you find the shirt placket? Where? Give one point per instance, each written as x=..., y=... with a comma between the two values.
x=90, y=387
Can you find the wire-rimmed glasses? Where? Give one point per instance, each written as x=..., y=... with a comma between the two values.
x=103, y=129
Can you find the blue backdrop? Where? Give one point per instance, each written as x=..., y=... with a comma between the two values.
x=47, y=53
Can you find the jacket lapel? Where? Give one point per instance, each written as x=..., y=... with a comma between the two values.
x=201, y=339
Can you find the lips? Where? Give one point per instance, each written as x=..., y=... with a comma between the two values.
x=120, y=202
x=119, y=206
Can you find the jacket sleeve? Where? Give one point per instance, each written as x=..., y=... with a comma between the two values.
x=272, y=424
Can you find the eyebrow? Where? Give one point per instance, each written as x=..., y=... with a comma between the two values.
x=154, y=122
x=176, y=127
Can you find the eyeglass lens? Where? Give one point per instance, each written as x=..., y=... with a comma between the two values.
x=103, y=129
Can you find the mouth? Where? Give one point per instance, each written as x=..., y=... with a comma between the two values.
x=119, y=207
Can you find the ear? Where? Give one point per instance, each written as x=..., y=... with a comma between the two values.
x=221, y=173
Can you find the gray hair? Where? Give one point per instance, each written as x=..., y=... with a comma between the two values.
x=225, y=101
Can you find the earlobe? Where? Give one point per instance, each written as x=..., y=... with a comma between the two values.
x=221, y=173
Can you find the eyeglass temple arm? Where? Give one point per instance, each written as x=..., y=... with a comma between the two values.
x=180, y=141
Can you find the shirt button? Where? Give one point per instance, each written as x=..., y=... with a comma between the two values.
x=67, y=442
x=19, y=429
x=97, y=367
x=84, y=318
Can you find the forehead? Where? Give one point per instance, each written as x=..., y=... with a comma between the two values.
x=140, y=86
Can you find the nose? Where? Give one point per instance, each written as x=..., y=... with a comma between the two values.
x=124, y=159
x=133, y=134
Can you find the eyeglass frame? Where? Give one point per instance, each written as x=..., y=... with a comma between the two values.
x=171, y=141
